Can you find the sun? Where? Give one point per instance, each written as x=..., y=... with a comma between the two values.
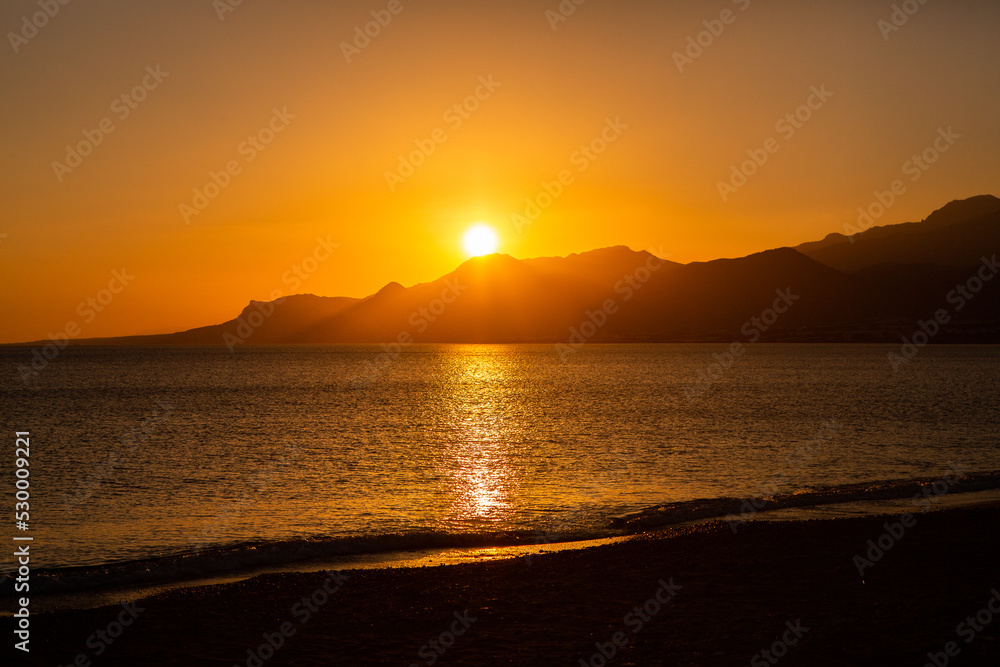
x=480, y=240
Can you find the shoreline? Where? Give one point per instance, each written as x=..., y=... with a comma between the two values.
x=734, y=595
x=96, y=597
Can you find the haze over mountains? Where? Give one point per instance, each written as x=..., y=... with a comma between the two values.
x=873, y=287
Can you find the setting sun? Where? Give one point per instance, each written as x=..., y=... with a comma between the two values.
x=480, y=240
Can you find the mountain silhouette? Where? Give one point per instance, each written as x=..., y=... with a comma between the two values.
x=954, y=236
x=872, y=287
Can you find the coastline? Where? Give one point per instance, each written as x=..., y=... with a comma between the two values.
x=719, y=598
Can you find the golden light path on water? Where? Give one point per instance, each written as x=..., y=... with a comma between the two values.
x=485, y=427
x=492, y=472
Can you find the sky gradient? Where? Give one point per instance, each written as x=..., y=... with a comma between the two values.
x=249, y=155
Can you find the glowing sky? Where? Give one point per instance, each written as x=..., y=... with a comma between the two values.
x=611, y=120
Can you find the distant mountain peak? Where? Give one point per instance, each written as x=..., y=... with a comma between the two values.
x=491, y=258
x=610, y=250
x=487, y=263
x=390, y=290
x=833, y=238
x=956, y=235
x=963, y=209
x=391, y=287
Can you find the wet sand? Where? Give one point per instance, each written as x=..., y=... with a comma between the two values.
x=699, y=596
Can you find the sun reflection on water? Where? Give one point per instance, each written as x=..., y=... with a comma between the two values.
x=484, y=432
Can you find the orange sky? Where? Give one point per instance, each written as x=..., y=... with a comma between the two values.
x=609, y=69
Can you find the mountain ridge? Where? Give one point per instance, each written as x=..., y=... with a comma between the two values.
x=872, y=287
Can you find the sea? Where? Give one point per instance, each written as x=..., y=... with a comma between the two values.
x=157, y=466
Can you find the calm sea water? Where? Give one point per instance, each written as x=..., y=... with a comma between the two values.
x=142, y=453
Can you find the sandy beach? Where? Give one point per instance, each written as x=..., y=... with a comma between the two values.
x=786, y=593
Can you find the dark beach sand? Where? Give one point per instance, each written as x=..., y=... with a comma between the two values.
x=737, y=594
